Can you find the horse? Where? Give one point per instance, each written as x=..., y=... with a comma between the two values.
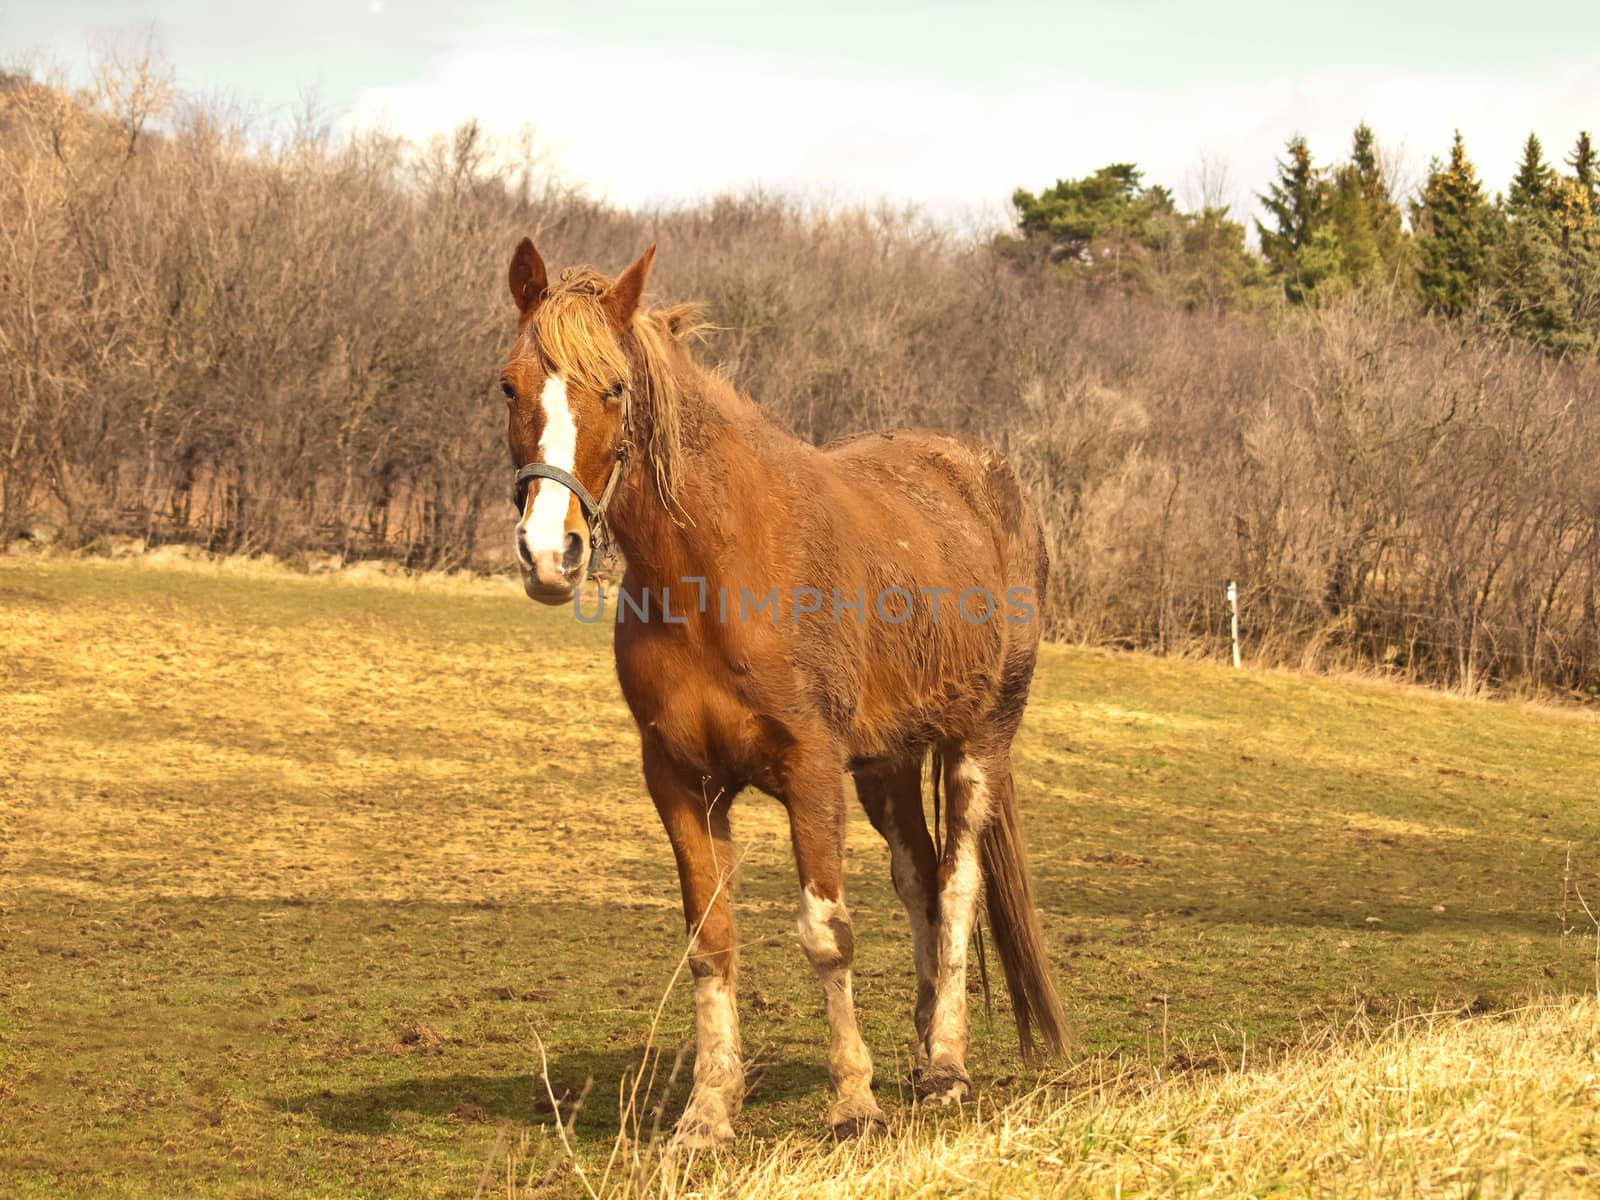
x=788, y=614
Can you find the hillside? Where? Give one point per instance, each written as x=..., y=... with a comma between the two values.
x=296, y=867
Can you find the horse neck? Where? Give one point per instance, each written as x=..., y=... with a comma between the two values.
x=666, y=540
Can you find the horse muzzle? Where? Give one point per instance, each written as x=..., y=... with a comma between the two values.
x=552, y=576
x=544, y=593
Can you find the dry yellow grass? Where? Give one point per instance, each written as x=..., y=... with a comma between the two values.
x=1434, y=1106
x=292, y=869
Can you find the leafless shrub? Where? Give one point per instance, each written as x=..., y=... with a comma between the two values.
x=289, y=344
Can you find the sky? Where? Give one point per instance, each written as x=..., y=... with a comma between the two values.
x=948, y=106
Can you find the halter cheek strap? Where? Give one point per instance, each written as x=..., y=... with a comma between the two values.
x=594, y=511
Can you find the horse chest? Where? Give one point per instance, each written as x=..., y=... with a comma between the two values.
x=697, y=707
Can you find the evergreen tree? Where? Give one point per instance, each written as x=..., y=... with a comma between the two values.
x=1383, y=213
x=1364, y=158
x=1297, y=201
x=1112, y=202
x=1568, y=210
x=1531, y=185
x=1214, y=268
x=1576, y=204
x=1455, y=228
x=1111, y=229
x=1585, y=172
x=1333, y=230
x=1529, y=288
x=1108, y=227
x=1366, y=222
x=1531, y=263
x=1350, y=222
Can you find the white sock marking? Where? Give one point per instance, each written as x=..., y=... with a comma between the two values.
x=718, y=1071
x=849, y=1063
x=816, y=935
x=958, y=900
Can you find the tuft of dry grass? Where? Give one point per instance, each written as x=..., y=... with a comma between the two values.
x=1441, y=1104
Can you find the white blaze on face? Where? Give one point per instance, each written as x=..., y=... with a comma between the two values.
x=544, y=518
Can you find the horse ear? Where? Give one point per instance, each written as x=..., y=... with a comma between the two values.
x=529, y=282
x=621, y=300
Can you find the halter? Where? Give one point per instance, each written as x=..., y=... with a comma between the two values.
x=594, y=511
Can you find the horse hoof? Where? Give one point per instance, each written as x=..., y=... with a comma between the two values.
x=865, y=1128
x=697, y=1134
x=943, y=1088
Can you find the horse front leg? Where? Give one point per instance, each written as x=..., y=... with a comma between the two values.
x=695, y=814
x=815, y=800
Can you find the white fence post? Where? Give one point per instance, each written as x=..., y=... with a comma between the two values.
x=1233, y=606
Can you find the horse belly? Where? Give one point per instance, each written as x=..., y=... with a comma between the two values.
x=911, y=701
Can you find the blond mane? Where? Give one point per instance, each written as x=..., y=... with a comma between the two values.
x=575, y=335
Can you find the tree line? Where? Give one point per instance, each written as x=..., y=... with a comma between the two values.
x=290, y=341
x=1526, y=260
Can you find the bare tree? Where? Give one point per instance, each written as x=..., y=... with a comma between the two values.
x=287, y=340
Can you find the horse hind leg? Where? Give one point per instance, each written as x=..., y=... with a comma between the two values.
x=892, y=798
x=960, y=882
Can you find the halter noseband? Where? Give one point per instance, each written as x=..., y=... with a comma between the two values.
x=594, y=511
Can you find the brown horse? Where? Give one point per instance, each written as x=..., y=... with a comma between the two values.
x=788, y=614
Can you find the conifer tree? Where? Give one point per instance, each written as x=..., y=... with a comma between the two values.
x=1214, y=269
x=1371, y=233
x=1364, y=158
x=1531, y=185
x=1525, y=269
x=1110, y=228
x=1350, y=222
x=1113, y=201
x=1585, y=171
x=1576, y=205
x=1529, y=262
x=1455, y=227
x=1297, y=201
x=1567, y=208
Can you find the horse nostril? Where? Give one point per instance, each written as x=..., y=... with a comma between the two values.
x=523, y=556
x=573, y=555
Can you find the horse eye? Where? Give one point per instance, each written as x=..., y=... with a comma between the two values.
x=511, y=392
x=616, y=390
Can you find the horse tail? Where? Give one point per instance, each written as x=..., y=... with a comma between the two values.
x=1008, y=897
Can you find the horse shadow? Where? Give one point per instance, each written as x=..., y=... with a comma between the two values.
x=585, y=1086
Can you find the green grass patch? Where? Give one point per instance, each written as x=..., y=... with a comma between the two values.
x=294, y=868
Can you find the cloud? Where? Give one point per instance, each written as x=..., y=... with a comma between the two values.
x=673, y=123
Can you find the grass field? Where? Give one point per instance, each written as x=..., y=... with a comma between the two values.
x=295, y=868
